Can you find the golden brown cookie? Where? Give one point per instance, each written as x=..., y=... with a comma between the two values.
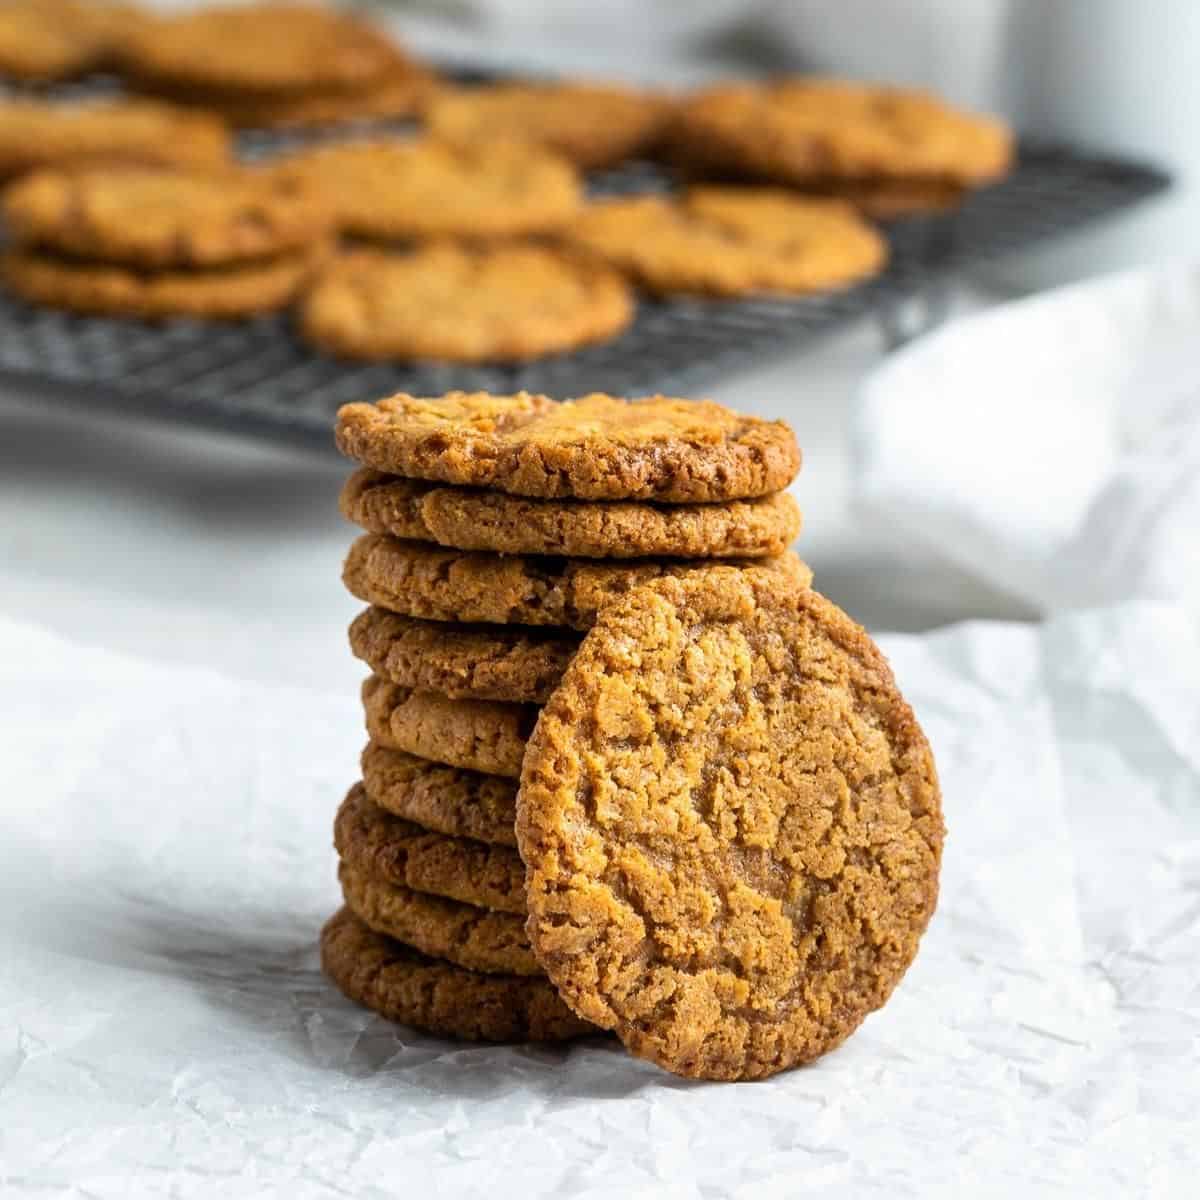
x=403, y=985
x=416, y=580
x=39, y=134
x=596, y=448
x=398, y=93
x=593, y=125
x=800, y=129
x=376, y=843
x=444, y=799
x=46, y=40
x=268, y=48
x=479, y=735
x=394, y=190
x=732, y=241
x=731, y=825
x=464, y=304
x=469, y=519
x=472, y=937
x=155, y=217
x=463, y=662
x=224, y=293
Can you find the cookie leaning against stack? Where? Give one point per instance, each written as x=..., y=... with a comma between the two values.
x=156, y=242
x=589, y=643
x=496, y=528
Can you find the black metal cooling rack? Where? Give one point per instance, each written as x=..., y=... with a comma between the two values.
x=256, y=378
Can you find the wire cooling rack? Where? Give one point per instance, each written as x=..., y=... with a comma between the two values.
x=256, y=378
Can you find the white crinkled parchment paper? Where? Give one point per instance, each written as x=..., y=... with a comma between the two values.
x=165, y=1031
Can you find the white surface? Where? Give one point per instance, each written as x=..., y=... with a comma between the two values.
x=164, y=1030
x=1051, y=446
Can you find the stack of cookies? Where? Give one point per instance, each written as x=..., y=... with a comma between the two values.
x=275, y=65
x=152, y=241
x=601, y=791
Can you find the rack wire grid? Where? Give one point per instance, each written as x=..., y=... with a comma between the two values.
x=258, y=379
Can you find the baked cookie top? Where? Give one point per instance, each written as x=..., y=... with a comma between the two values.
x=46, y=40
x=731, y=826
x=404, y=985
x=464, y=303
x=377, y=843
x=463, y=662
x=798, y=129
x=732, y=241
x=219, y=293
x=271, y=47
x=472, y=937
x=426, y=188
x=595, y=448
x=445, y=799
x=471, y=519
x=155, y=217
x=472, y=586
x=479, y=735
x=36, y=133
x=593, y=125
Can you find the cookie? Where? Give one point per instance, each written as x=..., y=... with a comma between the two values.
x=481, y=662
x=154, y=217
x=596, y=448
x=480, y=735
x=394, y=190
x=469, y=519
x=267, y=48
x=797, y=130
x=471, y=937
x=443, y=799
x=376, y=843
x=401, y=984
x=593, y=125
x=464, y=304
x=42, y=41
x=732, y=241
x=399, y=93
x=220, y=293
x=731, y=826
x=460, y=585
x=39, y=134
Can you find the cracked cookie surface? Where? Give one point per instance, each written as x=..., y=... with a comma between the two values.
x=598, y=447
x=480, y=662
x=445, y=799
x=470, y=519
x=37, y=133
x=222, y=47
x=593, y=125
x=731, y=826
x=156, y=217
x=505, y=303
x=796, y=130
x=471, y=937
x=404, y=985
x=396, y=191
x=720, y=241
x=385, y=846
x=416, y=580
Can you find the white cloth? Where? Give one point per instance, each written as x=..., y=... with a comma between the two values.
x=164, y=1030
x=1050, y=446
